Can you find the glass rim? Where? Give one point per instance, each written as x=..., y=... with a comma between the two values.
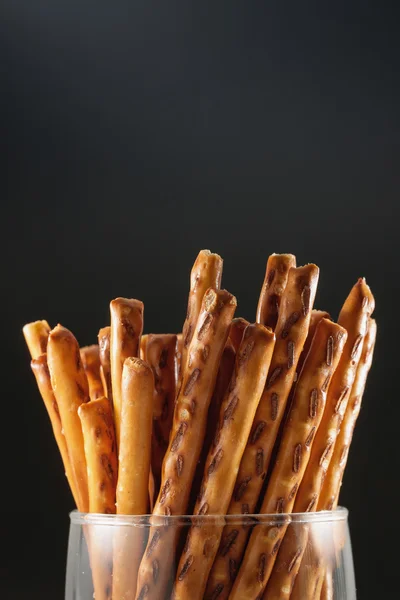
x=323, y=516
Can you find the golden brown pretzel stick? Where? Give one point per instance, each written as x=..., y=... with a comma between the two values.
x=160, y=355
x=70, y=388
x=293, y=455
x=206, y=273
x=327, y=588
x=276, y=275
x=42, y=375
x=354, y=317
x=187, y=436
x=225, y=370
x=104, y=338
x=101, y=459
x=328, y=499
x=135, y=441
x=235, y=420
x=100, y=453
x=134, y=469
x=294, y=543
x=236, y=331
x=126, y=330
x=36, y=335
x=314, y=573
x=91, y=363
x=291, y=332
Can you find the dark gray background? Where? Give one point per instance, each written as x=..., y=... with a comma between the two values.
x=136, y=134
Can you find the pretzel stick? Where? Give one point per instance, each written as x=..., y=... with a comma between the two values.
x=101, y=459
x=327, y=587
x=291, y=332
x=91, y=363
x=187, y=436
x=126, y=330
x=328, y=348
x=160, y=355
x=236, y=331
x=293, y=455
x=104, y=337
x=354, y=318
x=36, y=335
x=328, y=499
x=221, y=385
x=100, y=453
x=70, y=388
x=134, y=469
x=276, y=275
x=206, y=273
x=236, y=417
x=41, y=372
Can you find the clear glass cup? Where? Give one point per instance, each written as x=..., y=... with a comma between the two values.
x=314, y=560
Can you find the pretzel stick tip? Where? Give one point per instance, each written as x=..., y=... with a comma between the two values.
x=36, y=335
x=126, y=331
x=90, y=356
x=206, y=273
x=41, y=372
x=236, y=331
x=187, y=435
x=236, y=417
x=70, y=388
x=104, y=338
x=276, y=275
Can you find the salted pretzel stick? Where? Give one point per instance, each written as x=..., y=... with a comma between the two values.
x=187, y=437
x=41, y=372
x=236, y=331
x=327, y=345
x=292, y=458
x=276, y=275
x=91, y=363
x=206, y=273
x=328, y=499
x=36, y=335
x=160, y=355
x=70, y=388
x=236, y=417
x=291, y=332
x=126, y=330
x=134, y=469
x=225, y=370
x=354, y=318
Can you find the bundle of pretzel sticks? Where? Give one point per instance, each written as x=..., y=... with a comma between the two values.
x=226, y=418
